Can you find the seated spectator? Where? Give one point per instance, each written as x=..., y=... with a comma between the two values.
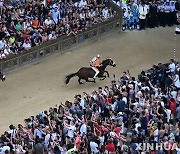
x=44, y=37
x=2, y=44
x=14, y=48
x=7, y=50
x=48, y=21
x=2, y=55
x=18, y=26
x=35, y=23
x=27, y=45
x=12, y=39
x=21, y=18
x=105, y=13
x=11, y=28
x=52, y=36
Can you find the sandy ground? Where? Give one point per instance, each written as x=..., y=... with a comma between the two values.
x=37, y=87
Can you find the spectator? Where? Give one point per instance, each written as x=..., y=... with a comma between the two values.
x=27, y=45
x=55, y=15
x=102, y=121
x=142, y=16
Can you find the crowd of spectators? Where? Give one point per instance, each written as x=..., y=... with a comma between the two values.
x=28, y=23
x=109, y=120
x=141, y=14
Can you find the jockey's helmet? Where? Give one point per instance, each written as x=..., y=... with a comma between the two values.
x=98, y=56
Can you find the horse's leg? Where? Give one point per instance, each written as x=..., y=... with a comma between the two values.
x=87, y=80
x=102, y=77
x=79, y=80
x=107, y=73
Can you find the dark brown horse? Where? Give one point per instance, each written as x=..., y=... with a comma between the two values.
x=87, y=72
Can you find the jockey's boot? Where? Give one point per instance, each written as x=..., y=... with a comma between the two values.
x=94, y=80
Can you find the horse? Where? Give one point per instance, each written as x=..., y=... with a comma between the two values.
x=2, y=76
x=87, y=72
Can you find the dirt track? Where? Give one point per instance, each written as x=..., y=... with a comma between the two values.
x=38, y=87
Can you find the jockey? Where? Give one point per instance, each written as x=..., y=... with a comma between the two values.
x=95, y=63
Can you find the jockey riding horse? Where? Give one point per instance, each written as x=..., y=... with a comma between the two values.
x=90, y=72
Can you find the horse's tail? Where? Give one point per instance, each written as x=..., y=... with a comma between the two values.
x=68, y=77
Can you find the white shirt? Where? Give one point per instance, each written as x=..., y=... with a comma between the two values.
x=82, y=3
x=177, y=81
x=3, y=149
x=172, y=67
x=82, y=15
x=93, y=147
x=83, y=129
x=6, y=51
x=178, y=150
x=56, y=5
x=12, y=132
x=136, y=127
x=26, y=45
x=1, y=44
x=82, y=104
x=168, y=113
x=71, y=130
x=105, y=13
x=37, y=132
x=167, y=8
x=124, y=99
x=161, y=7
x=47, y=137
x=172, y=8
x=142, y=12
x=48, y=22
x=128, y=14
x=156, y=132
x=101, y=139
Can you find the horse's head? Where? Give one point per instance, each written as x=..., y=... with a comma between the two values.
x=109, y=62
x=2, y=76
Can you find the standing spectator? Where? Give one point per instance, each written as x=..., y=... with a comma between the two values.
x=135, y=13
x=120, y=104
x=142, y=16
x=161, y=14
x=55, y=15
x=153, y=16
x=167, y=9
x=38, y=148
x=176, y=80
x=172, y=67
x=94, y=146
